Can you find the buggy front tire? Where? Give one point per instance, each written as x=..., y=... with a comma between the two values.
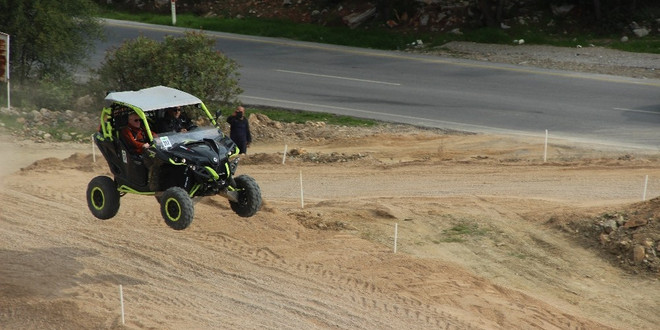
x=176, y=207
x=249, y=196
x=103, y=197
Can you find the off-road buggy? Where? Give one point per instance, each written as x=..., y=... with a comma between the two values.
x=182, y=165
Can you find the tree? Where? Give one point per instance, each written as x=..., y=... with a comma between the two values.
x=49, y=38
x=189, y=63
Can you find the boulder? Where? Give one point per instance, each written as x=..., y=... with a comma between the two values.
x=641, y=32
x=355, y=19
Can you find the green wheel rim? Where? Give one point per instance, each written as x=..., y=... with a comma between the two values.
x=98, y=199
x=173, y=207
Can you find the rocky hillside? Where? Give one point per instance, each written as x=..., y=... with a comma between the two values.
x=629, y=237
x=424, y=15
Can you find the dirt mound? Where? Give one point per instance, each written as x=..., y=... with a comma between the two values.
x=487, y=235
x=78, y=161
x=311, y=132
x=628, y=237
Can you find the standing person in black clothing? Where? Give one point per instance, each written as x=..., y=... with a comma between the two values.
x=240, y=129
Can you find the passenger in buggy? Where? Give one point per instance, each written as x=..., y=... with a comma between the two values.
x=137, y=141
x=135, y=136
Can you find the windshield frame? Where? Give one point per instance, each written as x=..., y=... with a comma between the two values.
x=169, y=140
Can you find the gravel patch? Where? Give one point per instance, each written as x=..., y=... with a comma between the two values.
x=581, y=59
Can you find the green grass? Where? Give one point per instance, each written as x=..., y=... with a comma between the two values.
x=638, y=46
x=460, y=232
x=377, y=37
x=301, y=117
x=10, y=122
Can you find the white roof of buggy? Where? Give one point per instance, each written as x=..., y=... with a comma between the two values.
x=153, y=98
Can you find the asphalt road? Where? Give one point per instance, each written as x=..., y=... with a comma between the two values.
x=432, y=91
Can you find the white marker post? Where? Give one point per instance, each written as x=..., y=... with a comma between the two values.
x=121, y=299
x=646, y=184
x=173, y=2
x=545, y=147
x=284, y=156
x=302, y=197
x=396, y=234
x=93, y=150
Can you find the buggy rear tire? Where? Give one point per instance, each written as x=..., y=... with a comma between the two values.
x=176, y=207
x=103, y=197
x=249, y=196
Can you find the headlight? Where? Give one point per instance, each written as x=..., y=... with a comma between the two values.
x=232, y=157
x=177, y=160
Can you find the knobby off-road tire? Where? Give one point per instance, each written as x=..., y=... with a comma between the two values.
x=176, y=207
x=249, y=196
x=103, y=197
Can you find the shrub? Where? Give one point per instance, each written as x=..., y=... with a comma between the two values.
x=189, y=63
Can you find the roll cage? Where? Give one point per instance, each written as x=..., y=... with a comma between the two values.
x=148, y=104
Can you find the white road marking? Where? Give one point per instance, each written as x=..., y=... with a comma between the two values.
x=640, y=111
x=337, y=77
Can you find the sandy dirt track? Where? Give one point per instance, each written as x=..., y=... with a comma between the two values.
x=476, y=248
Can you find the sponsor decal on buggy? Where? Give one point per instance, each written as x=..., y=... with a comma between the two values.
x=123, y=156
x=165, y=140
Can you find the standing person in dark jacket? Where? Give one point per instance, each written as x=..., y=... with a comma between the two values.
x=240, y=129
